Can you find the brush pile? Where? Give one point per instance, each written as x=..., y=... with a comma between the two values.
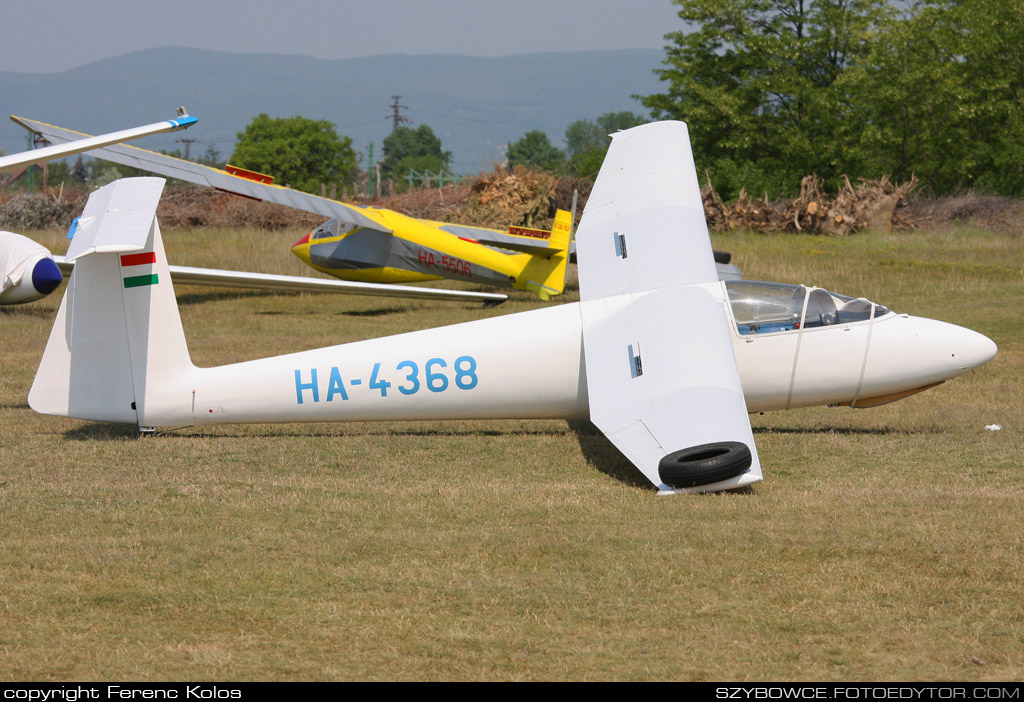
x=190, y=207
x=871, y=204
x=437, y=204
x=38, y=210
x=517, y=196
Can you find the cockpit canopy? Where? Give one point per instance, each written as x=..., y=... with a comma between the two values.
x=331, y=228
x=765, y=308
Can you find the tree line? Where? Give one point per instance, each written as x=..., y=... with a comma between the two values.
x=773, y=90
x=777, y=89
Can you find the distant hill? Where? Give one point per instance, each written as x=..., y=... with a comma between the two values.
x=476, y=105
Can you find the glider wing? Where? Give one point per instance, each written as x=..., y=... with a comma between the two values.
x=171, y=167
x=60, y=149
x=186, y=275
x=661, y=371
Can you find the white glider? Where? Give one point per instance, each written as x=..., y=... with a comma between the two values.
x=664, y=358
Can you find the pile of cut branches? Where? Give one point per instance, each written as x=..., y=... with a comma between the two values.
x=189, y=207
x=518, y=196
x=440, y=204
x=38, y=210
x=871, y=204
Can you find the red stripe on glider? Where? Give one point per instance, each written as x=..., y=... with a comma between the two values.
x=138, y=259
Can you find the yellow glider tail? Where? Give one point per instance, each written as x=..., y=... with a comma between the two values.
x=545, y=275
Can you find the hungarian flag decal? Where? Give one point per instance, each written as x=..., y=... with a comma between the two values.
x=139, y=259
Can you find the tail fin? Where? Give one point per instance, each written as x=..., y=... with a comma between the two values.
x=117, y=350
x=546, y=275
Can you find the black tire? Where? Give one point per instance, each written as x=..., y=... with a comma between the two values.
x=704, y=464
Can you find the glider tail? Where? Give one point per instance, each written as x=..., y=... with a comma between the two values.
x=117, y=350
x=545, y=275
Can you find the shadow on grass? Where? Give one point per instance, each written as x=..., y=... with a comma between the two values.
x=27, y=311
x=206, y=433
x=189, y=299
x=376, y=312
x=603, y=456
x=102, y=431
x=847, y=431
x=598, y=451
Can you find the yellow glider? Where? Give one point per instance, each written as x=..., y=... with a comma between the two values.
x=370, y=244
x=407, y=250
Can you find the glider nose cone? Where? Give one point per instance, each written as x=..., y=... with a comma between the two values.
x=949, y=350
x=46, y=276
x=301, y=249
x=973, y=349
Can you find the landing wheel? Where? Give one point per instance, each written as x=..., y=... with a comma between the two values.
x=704, y=464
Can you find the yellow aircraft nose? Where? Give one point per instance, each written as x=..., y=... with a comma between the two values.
x=301, y=248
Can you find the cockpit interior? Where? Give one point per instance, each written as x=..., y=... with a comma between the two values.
x=767, y=308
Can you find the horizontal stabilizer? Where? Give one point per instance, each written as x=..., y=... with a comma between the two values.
x=117, y=218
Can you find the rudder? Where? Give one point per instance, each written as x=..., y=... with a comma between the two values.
x=546, y=275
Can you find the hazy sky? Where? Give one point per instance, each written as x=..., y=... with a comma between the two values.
x=62, y=34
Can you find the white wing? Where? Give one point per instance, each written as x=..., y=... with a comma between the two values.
x=86, y=143
x=171, y=167
x=186, y=275
x=661, y=372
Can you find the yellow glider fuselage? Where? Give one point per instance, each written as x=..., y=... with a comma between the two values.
x=407, y=250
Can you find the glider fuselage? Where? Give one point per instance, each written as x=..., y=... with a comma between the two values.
x=530, y=365
x=407, y=250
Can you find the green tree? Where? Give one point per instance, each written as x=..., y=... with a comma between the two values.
x=58, y=172
x=912, y=88
x=535, y=150
x=587, y=142
x=941, y=96
x=991, y=34
x=299, y=152
x=417, y=149
x=757, y=83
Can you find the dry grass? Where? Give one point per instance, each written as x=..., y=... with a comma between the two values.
x=884, y=544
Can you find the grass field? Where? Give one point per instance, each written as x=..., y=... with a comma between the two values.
x=883, y=544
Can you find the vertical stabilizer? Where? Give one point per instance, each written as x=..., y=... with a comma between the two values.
x=545, y=275
x=117, y=349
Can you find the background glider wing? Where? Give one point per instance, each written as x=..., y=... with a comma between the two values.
x=661, y=372
x=186, y=275
x=58, y=149
x=171, y=167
